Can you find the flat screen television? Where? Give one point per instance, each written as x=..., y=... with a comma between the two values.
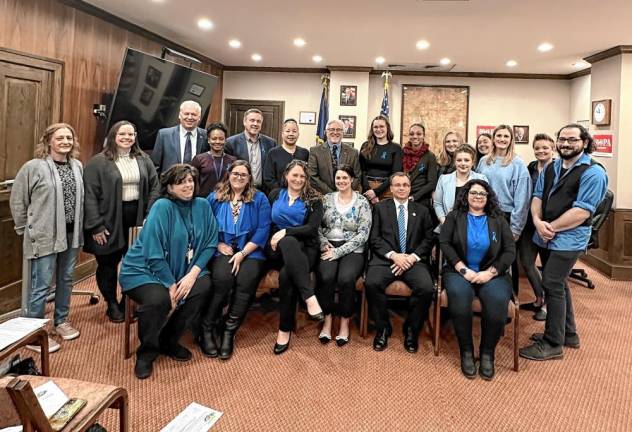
x=150, y=91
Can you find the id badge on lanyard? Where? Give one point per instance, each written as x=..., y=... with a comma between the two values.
x=189, y=254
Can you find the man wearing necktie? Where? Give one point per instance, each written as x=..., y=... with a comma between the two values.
x=400, y=244
x=179, y=144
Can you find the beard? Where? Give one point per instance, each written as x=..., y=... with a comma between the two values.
x=566, y=155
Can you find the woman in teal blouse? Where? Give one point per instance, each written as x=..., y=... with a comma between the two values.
x=165, y=270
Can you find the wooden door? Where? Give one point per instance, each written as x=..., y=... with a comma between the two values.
x=273, y=112
x=30, y=99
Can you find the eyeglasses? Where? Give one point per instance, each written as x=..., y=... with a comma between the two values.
x=571, y=140
x=236, y=174
x=336, y=130
x=481, y=194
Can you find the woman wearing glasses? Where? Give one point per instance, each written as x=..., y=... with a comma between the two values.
x=510, y=180
x=296, y=215
x=379, y=158
x=213, y=164
x=243, y=219
x=278, y=157
x=479, y=249
x=120, y=184
x=451, y=141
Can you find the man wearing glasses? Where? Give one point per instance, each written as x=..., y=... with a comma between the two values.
x=566, y=195
x=326, y=158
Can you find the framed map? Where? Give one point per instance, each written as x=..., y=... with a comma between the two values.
x=439, y=108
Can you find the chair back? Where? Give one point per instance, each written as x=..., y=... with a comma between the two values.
x=18, y=399
x=134, y=233
x=599, y=218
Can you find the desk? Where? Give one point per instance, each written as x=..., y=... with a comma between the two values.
x=36, y=337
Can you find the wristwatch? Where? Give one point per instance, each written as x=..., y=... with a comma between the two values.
x=493, y=271
x=463, y=270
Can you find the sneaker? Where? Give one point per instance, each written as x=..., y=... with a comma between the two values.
x=570, y=340
x=66, y=331
x=53, y=346
x=541, y=350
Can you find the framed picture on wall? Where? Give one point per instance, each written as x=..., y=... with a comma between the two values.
x=307, y=117
x=349, y=125
x=349, y=143
x=521, y=134
x=348, y=95
x=440, y=109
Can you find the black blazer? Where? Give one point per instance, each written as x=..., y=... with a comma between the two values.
x=423, y=178
x=453, y=241
x=384, y=236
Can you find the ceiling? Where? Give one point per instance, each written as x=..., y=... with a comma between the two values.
x=476, y=35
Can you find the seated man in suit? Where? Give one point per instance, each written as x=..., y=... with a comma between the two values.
x=400, y=242
x=251, y=145
x=325, y=158
x=179, y=144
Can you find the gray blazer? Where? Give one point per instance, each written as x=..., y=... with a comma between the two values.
x=166, y=152
x=320, y=166
x=37, y=207
x=236, y=145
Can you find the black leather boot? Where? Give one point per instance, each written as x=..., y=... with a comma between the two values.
x=206, y=340
x=468, y=366
x=115, y=312
x=228, y=337
x=486, y=367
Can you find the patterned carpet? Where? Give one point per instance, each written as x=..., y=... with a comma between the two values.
x=327, y=388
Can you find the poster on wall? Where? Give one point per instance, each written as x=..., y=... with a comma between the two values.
x=603, y=145
x=484, y=129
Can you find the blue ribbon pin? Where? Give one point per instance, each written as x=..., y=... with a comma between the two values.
x=494, y=236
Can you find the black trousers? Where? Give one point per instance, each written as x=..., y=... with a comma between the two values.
x=340, y=274
x=156, y=328
x=294, y=259
x=225, y=285
x=418, y=278
x=560, y=317
x=528, y=253
x=107, y=264
x=515, y=270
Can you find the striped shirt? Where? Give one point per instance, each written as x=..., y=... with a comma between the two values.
x=128, y=166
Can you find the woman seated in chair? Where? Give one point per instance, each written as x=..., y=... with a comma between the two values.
x=479, y=248
x=343, y=234
x=243, y=219
x=165, y=273
x=296, y=214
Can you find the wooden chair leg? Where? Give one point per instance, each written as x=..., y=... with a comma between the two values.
x=436, y=326
x=364, y=319
x=516, y=337
x=127, y=350
x=123, y=408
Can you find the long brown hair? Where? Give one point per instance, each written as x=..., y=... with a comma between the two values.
x=368, y=148
x=109, y=147
x=224, y=191
x=511, y=150
x=42, y=148
x=445, y=159
x=309, y=195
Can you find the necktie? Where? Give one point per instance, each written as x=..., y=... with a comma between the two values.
x=401, y=223
x=187, y=149
x=334, y=159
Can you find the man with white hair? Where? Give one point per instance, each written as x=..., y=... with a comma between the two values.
x=179, y=144
x=324, y=159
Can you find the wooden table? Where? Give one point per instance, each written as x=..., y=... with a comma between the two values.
x=36, y=337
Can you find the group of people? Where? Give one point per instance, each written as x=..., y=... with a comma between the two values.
x=217, y=212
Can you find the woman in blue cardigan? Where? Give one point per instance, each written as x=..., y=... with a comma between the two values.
x=243, y=219
x=165, y=270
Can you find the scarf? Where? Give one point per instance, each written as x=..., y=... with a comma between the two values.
x=412, y=156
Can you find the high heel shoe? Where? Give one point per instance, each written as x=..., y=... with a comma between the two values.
x=324, y=338
x=342, y=340
x=319, y=317
x=281, y=348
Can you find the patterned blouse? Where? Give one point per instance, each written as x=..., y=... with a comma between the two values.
x=69, y=186
x=355, y=224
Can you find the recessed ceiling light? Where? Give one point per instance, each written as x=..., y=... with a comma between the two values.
x=511, y=63
x=299, y=42
x=380, y=60
x=545, y=46
x=423, y=44
x=234, y=43
x=256, y=57
x=445, y=61
x=205, y=24
x=317, y=59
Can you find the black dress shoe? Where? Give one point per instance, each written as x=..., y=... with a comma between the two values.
x=319, y=317
x=280, y=349
x=143, y=368
x=486, y=367
x=207, y=343
x=380, y=342
x=178, y=352
x=411, y=340
x=115, y=313
x=532, y=307
x=342, y=340
x=228, y=344
x=468, y=365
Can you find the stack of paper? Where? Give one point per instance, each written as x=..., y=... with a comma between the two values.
x=15, y=329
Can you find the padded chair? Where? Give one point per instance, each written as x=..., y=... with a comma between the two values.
x=599, y=218
x=441, y=301
x=18, y=403
x=394, y=289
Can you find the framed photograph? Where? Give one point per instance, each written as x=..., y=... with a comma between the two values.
x=440, y=108
x=348, y=95
x=601, y=112
x=521, y=134
x=152, y=77
x=146, y=96
x=349, y=125
x=349, y=143
x=307, y=117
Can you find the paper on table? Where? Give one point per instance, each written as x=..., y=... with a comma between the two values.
x=12, y=429
x=15, y=329
x=194, y=418
x=50, y=398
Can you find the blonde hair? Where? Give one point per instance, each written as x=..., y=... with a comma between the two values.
x=42, y=149
x=511, y=150
x=445, y=159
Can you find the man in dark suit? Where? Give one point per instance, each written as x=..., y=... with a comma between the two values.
x=251, y=145
x=179, y=144
x=323, y=159
x=400, y=242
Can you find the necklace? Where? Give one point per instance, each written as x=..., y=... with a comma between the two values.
x=235, y=207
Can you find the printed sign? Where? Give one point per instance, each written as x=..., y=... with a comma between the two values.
x=603, y=145
x=484, y=129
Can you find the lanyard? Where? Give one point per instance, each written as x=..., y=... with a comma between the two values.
x=218, y=173
x=189, y=228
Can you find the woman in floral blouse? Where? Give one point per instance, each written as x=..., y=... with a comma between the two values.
x=343, y=233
